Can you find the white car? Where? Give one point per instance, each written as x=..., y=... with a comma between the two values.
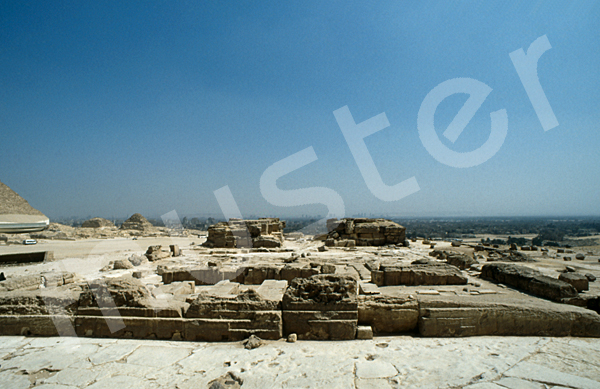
x=30, y=241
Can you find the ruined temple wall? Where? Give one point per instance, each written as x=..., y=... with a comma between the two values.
x=263, y=232
x=365, y=232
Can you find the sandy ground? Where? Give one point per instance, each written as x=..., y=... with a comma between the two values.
x=90, y=247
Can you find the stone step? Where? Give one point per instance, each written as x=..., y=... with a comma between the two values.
x=368, y=288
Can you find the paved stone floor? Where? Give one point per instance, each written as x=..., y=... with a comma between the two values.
x=384, y=362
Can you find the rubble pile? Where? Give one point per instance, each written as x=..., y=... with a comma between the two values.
x=97, y=222
x=137, y=222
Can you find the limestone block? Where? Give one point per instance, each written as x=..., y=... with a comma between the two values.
x=506, y=318
x=245, y=315
x=289, y=272
x=122, y=264
x=272, y=289
x=155, y=253
x=128, y=327
x=529, y=280
x=32, y=282
x=579, y=281
x=364, y=332
x=256, y=275
x=175, y=250
x=366, y=228
x=137, y=260
x=36, y=325
x=321, y=307
x=201, y=276
x=349, y=227
x=266, y=241
x=461, y=261
x=320, y=325
x=120, y=292
x=428, y=274
x=387, y=314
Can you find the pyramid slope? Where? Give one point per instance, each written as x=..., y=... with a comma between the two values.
x=16, y=215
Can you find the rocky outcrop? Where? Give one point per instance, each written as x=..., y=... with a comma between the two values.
x=238, y=233
x=321, y=307
x=426, y=274
x=364, y=232
x=97, y=222
x=528, y=280
x=137, y=222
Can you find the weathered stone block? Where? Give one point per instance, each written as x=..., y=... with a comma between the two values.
x=201, y=276
x=321, y=307
x=120, y=292
x=579, y=281
x=288, y=272
x=364, y=332
x=529, y=280
x=175, y=250
x=155, y=253
x=321, y=325
x=429, y=274
x=461, y=261
x=506, y=319
x=387, y=314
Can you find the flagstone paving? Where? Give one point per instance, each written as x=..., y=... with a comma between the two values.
x=383, y=362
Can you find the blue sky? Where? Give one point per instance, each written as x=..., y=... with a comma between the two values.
x=110, y=108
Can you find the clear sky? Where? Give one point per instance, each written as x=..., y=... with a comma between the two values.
x=113, y=107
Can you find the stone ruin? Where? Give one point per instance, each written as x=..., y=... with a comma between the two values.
x=137, y=222
x=97, y=222
x=218, y=295
x=238, y=233
x=352, y=232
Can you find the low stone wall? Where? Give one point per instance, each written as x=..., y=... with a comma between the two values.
x=428, y=274
x=251, y=275
x=321, y=307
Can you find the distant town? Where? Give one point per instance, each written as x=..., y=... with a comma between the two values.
x=541, y=231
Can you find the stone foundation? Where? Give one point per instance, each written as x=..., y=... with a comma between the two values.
x=238, y=233
x=351, y=232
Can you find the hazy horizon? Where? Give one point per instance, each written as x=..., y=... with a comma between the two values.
x=109, y=109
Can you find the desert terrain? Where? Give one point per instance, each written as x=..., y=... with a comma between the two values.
x=417, y=313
